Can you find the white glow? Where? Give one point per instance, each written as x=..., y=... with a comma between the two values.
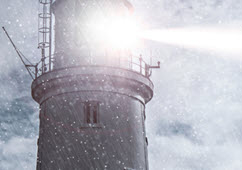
x=217, y=40
x=117, y=32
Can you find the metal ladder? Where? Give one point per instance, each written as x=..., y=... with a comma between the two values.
x=45, y=35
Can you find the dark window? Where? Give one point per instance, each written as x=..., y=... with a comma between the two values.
x=92, y=112
x=88, y=114
x=95, y=114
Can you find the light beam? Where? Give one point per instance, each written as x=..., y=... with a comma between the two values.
x=212, y=39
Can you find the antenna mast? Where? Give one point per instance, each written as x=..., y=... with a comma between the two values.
x=44, y=42
x=22, y=57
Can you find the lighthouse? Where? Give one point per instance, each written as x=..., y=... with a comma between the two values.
x=92, y=93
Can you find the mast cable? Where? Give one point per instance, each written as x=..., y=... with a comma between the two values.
x=21, y=56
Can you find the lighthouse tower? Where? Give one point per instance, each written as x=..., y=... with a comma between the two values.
x=92, y=98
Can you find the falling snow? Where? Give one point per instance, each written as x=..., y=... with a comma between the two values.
x=194, y=120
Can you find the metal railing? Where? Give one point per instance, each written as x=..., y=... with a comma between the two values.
x=132, y=63
x=41, y=68
x=136, y=64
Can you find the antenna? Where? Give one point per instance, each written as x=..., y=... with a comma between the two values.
x=44, y=42
x=22, y=57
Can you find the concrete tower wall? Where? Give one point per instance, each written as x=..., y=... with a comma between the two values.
x=68, y=142
x=116, y=141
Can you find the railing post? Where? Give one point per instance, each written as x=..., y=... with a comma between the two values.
x=140, y=60
x=36, y=70
x=146, y=70
x=43, y=60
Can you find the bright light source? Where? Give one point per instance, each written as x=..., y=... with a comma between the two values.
x=212, y=39
x=117, y=32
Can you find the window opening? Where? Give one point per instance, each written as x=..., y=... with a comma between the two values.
x=92, y=112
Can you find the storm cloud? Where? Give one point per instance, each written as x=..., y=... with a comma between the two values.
x=194, y=119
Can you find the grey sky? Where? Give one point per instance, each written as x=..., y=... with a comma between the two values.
x=194, y=119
